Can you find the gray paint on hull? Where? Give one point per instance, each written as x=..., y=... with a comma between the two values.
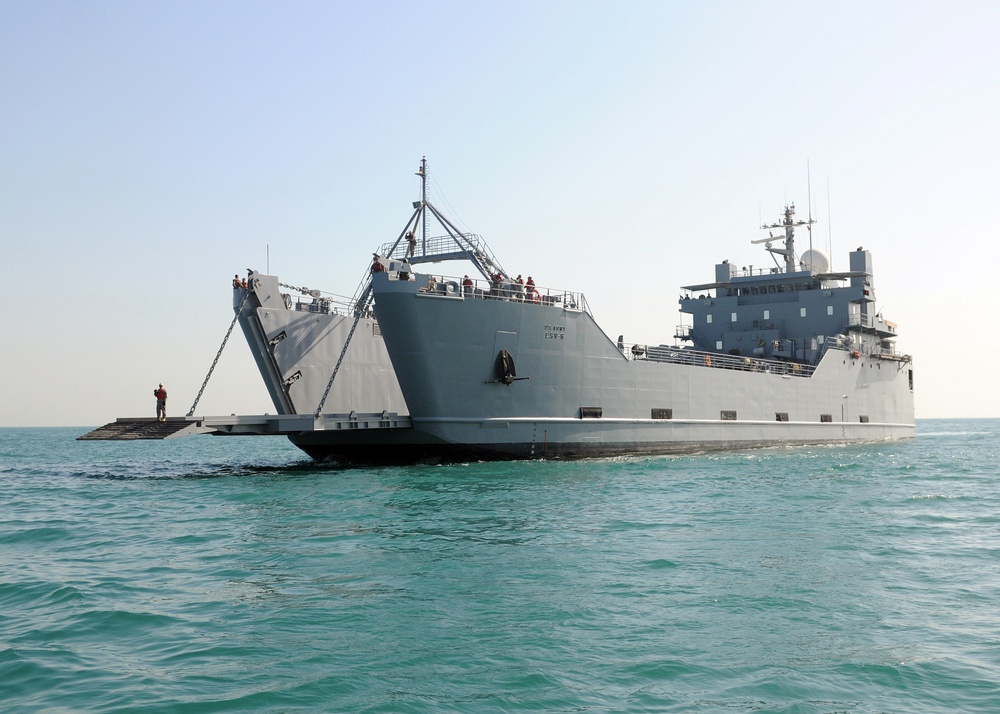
x=442, y=351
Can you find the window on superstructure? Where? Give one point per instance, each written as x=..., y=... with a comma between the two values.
x=718, y=344
x=767, y=314
x=708, y=318
x=802, y=312
x=734, y=317
x=829, y=309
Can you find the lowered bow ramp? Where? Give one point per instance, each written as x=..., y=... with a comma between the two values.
x=134, y=429
x=131, y=429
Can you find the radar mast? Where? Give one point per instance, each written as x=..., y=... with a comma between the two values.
x=789, y=224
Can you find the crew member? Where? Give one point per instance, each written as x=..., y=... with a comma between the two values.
x=161, y=402
x=412, y=240
x=467, y=285
x=377, y=266
x=532, y=293
x=236, y=281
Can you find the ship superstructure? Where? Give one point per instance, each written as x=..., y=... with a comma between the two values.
x=793, y=311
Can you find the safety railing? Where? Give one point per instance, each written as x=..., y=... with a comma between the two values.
x=715, y=360
x=319, y=302
x=443, y=245
x=510, y=291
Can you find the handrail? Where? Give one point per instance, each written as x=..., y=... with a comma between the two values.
x=715, y=360
x=508, y=291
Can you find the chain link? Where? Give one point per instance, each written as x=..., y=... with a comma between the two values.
x=225, y=339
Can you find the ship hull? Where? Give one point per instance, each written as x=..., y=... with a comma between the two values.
x=548, y=439
x=576, y=395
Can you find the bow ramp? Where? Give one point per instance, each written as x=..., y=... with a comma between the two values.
x=132, y=429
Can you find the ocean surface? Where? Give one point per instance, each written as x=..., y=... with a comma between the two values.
x=208, y=574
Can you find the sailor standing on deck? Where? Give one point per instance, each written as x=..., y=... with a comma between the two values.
x=412, y=240
x=161, y=403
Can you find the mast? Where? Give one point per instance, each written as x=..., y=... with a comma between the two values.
x=809, y=194
x=422, y=173
x=788, y=223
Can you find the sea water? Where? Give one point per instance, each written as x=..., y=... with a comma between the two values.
x=209, y=574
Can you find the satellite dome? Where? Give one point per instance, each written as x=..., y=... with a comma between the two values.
x=816, y=260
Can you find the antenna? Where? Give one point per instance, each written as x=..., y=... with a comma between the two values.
x=267, y=258
x=423, y=200
x=829, y=222
x=809, y=194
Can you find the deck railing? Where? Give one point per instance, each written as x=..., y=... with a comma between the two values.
x=436, y=246
x=715, y=360
x=511, y=291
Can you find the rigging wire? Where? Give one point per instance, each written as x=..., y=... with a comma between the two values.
x=437, y=190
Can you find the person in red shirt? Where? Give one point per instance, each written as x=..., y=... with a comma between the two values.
x=161, y=403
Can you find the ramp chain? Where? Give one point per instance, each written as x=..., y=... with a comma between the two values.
x=359, y=311
x=218, y=354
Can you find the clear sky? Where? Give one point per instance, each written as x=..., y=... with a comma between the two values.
x=149, y=150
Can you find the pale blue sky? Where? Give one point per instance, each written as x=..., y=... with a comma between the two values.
x=150, y=150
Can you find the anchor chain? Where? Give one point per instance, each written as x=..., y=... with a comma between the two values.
x=304, y=291
x=218, y=354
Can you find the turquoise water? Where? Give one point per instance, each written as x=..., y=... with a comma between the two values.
x=232, y=574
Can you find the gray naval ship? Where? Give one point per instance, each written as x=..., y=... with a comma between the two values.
x=323, y=355
x=793, y=354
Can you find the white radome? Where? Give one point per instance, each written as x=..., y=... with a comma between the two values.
x=816, y=259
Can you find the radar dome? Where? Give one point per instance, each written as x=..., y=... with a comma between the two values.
x=816, y=260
